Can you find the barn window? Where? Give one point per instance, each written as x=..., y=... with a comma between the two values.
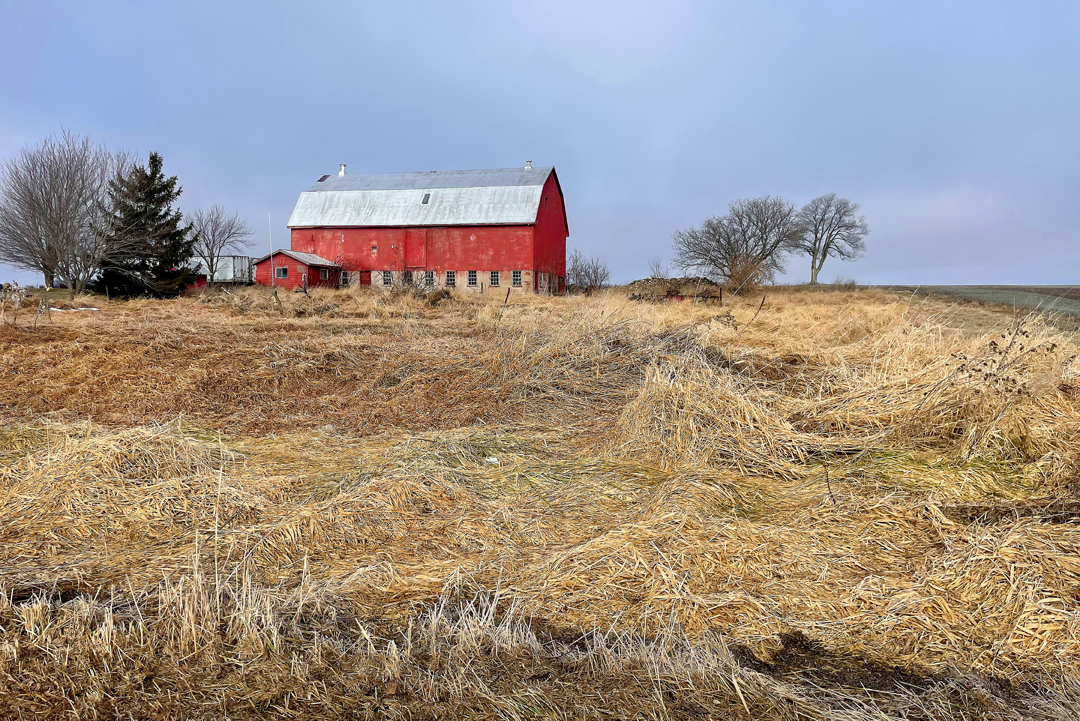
x=374, y=248
x=472, y=277
x=408, y=277
x=451, y=278
x=281, y=272
x=344, y=277
x=515, y=278
x=427, y=197
x=324, y=274
x=387, y=278
x=493, y=278
x=429, y=278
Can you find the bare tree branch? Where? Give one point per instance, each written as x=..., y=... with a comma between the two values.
x=586, y=272
x=832, y=227
x=658, y=269
x=744, y=248
x=216, y=232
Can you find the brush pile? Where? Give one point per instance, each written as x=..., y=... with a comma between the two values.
x=674, y=289
x=838, y=505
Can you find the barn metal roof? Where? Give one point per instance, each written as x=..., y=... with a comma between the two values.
x=506, y=196
x=308, y=259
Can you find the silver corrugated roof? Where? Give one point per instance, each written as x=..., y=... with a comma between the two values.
x=305, y=258
x=507, y=196
x=497, y=178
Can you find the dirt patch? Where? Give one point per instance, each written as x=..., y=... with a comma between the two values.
x=59, y=593
x=805, y=658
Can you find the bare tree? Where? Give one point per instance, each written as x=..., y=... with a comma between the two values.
x=585, y=272
x=744, y=248
x=832, y=227
x=597, y=274
x=52, y=207
x=216, y=232
x=658, y=269
x=575, y=267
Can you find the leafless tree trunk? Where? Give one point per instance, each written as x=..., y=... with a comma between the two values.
x=52, y=206
x=832, y=227
x=744, y=248
x=216, y=232
x=586, y=272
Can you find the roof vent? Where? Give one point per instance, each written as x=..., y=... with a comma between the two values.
x=342, y=171
x=528, y=165
x=322, y=179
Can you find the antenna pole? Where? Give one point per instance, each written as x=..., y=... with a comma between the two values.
x=270, y=233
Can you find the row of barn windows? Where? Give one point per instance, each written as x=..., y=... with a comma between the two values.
x=494, y=277
x=473, y=277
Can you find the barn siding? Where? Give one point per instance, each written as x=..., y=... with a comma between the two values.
x=481, y=248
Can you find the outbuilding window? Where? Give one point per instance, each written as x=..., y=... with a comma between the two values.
x=493, y=278
x=472, y=277
x=324, y=274
x=515, y=278
x=451, y=278
x=281, y=272
x=427, y=197
x=387, y=278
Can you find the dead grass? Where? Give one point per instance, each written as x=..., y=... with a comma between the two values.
x=835, y=505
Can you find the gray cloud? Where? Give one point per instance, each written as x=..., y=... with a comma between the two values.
x=953, y=124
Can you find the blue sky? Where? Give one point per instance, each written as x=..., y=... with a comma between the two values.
x=954, y=124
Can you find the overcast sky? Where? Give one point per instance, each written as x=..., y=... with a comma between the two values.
x=956, y=125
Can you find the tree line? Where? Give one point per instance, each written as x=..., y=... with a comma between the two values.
x=749, y=245
x=87, y=217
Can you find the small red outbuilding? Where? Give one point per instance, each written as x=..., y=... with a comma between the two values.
x=292, y=269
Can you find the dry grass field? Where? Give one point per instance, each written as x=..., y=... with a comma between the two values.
x=848, y=505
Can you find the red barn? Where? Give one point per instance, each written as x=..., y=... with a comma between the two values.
x=290, y=269
x=469, y=229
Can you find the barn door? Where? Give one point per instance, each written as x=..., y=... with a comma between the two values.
x=415, y=247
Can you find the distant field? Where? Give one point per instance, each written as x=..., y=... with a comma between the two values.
x=1063, y=299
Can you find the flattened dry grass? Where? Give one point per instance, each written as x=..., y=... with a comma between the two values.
x=355, y=504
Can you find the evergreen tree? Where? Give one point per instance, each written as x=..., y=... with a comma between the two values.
x=154, y=246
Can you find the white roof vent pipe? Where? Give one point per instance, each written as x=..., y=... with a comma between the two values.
x=342, y=171
x=528, y=165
